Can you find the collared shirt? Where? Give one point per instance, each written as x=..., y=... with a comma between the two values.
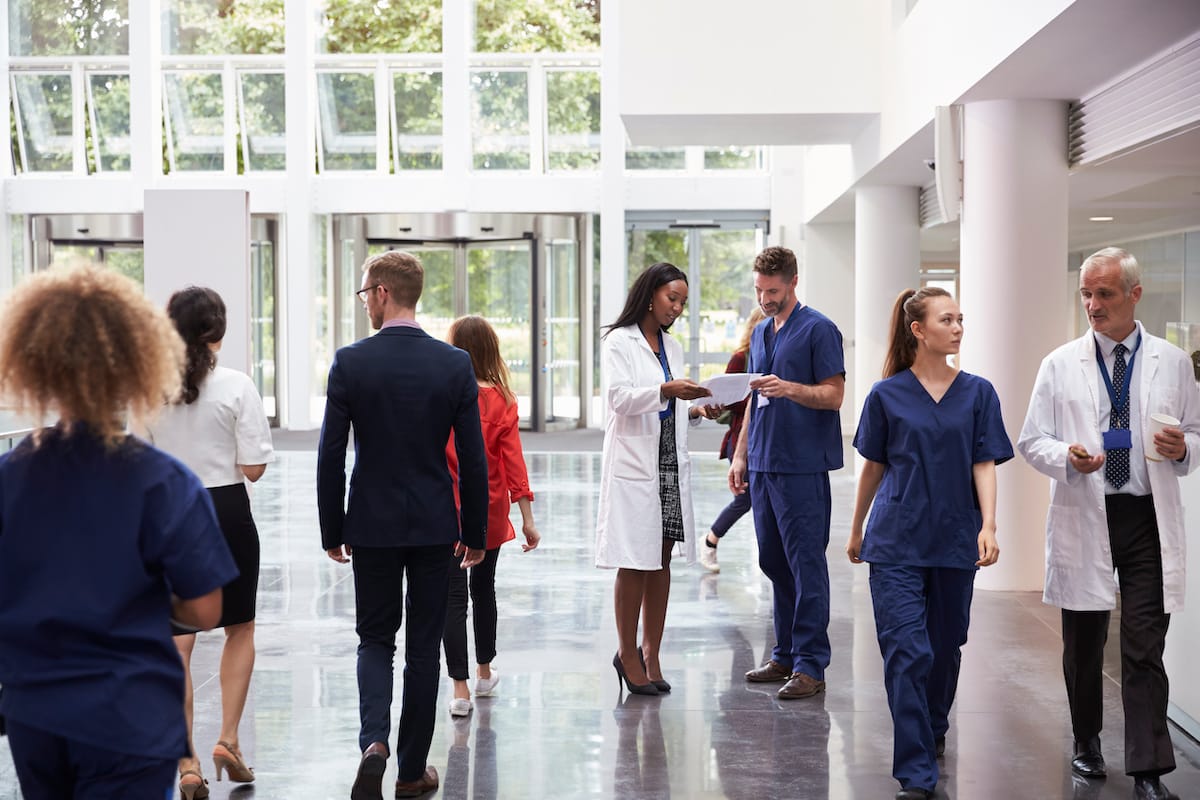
x=401, y=323
x=1139, y=477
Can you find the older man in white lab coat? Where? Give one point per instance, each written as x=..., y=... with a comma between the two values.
x=1115, y=506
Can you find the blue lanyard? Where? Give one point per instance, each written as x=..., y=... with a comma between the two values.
x=1119, y=400
x=662, y=359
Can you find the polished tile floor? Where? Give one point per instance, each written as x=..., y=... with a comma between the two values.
x=558, y=728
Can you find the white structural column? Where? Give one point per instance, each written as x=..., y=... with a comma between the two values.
x=1012, y=272
x=887, y=259
x=827, y=284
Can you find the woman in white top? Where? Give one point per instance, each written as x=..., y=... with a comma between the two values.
x=219, y=429
x=645, y=506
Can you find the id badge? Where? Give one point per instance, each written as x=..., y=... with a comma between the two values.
x=763, y=400
x=1119, y=439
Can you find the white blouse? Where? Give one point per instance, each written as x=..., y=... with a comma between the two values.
x=224, y=427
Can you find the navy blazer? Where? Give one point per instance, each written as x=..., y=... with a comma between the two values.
x=403, y=391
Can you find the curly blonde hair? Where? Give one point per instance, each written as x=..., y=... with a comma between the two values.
x=85, y=343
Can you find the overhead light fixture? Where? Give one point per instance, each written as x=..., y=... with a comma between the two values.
x=1100, y=219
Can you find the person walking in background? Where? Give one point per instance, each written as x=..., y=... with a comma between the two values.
x=645, y=507
x=404, y=392
x=508, y=483
x=932, y=437
x=103, y=539
x=740, y=503
x=219, y=429
x=790, y=441
x=1115, y=505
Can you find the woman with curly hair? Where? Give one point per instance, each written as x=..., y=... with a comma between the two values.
x=219, y=429
x=103, y=540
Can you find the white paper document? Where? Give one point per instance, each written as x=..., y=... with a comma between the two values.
x=727, y=388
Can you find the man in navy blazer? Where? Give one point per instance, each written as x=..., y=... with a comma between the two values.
x=403, y=391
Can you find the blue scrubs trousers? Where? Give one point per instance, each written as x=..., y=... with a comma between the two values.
x=53, y=767
x=921, y=619
x=791, y=519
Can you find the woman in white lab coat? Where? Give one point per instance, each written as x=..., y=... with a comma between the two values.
x=645, y=484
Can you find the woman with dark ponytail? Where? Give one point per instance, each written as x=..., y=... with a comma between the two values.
x=932, y=436
x=219, y=429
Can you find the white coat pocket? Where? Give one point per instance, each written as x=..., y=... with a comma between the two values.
x=635, y=458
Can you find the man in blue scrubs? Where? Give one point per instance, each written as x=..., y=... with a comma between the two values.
x=792, y=438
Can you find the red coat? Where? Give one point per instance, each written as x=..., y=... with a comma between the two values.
x=508, y=479
x=737, y=363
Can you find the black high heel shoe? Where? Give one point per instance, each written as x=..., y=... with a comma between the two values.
x=662, y=686
x=645, y=688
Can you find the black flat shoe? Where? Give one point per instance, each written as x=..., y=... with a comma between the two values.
x=662, y=686
x=913, y=793
x=1088, y=761
x=1151, y=789
x=634, y=688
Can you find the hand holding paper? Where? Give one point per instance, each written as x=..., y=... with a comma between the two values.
x=727, y=388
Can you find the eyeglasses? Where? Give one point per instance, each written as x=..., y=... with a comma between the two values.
x=362, y=293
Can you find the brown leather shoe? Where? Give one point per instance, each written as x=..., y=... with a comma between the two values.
x=800, y=686
x=770, y=672
x=426, y=783
x=368, y=783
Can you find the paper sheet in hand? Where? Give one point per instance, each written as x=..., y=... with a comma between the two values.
x=727, y=388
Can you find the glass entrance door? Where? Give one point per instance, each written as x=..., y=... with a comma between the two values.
x=718, y=257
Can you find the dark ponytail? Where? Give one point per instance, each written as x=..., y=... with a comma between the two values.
x=199, y=316
x=909, y=308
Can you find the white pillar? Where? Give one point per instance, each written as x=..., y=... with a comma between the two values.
x=887, y=260
x=1013, y=260
x=827, y=283
x=613, y=269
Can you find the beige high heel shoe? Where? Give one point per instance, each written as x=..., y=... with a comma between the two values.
x=192, y=790
x=227, y=757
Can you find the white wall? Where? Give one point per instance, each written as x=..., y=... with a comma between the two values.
x=202, y=238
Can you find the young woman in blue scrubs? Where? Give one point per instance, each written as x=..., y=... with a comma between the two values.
x=103, y=540
x=932, y=436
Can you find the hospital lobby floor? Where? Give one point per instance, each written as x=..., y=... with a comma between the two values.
x=557, y=726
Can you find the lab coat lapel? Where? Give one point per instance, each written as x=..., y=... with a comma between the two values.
x=1149, y=367
x=1089, y=370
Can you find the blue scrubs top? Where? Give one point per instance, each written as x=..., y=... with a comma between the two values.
x=786, y=436
x=926, y=512
x=93, y=542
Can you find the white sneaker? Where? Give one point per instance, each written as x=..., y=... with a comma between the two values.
x=708, y=557
x=460, y=707
x=486, y=687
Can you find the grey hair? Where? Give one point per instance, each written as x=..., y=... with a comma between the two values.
x=1131, y=271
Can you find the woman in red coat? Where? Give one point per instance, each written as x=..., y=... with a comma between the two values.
x=740, y=503
x=508, y=483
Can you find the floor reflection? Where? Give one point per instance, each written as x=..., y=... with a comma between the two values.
x=558, y=727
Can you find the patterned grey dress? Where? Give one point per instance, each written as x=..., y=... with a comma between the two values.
x=668, y=476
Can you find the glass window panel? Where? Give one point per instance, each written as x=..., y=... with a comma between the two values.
x=45, y=116
x=418, y=124
x=264, y=143
x=500, y=119
x=573, y=119
x=204, y=27
x=733, y=158
x=499, y=290
x=108, y=104
x=548, y=26
x=262, y=321
x=195, y=104
x=380, y=26
x=654, y=158
x=563, y=328
x=726, y=293
x=46, y=28
x=347, y=108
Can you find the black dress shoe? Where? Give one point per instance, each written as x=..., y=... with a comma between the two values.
x=1088, y=761
x=1151, y=789
x=913, y=793
x=368, y=783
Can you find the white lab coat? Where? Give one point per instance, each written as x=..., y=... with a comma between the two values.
x=1065, y=408
x=629, y=524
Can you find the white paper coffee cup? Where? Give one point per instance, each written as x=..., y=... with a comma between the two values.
x=1157, y=423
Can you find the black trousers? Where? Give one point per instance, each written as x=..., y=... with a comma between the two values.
x=1133, y=538
x=381, y=599
x=483, y=615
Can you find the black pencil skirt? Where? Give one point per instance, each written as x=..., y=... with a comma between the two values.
x=239, y=596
